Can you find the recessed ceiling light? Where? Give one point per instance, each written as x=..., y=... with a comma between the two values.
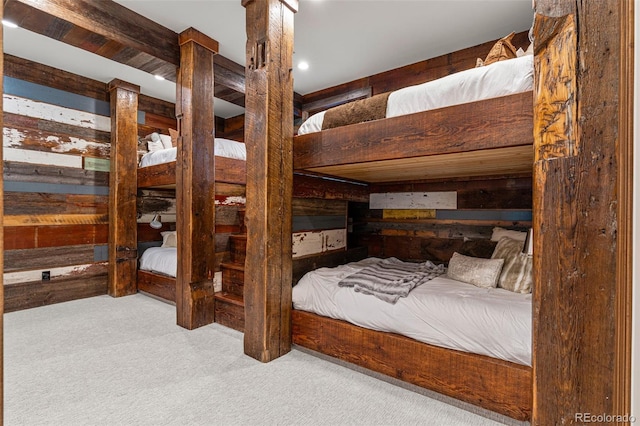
x=302, y=65
x=9, y=24
x=159, y=77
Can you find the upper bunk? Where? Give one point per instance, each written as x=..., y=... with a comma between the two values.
x=476, y=122
x=158, y=168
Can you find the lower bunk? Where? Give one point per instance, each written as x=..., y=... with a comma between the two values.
x=461, y=340
x=500, y=386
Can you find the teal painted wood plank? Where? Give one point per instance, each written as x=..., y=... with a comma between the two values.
x=55, y=188
x=38, y=92
x=509, y=215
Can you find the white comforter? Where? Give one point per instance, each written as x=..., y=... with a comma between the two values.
x=222, y=147
x=498, y=79
x=442, y=312
x=163, y=260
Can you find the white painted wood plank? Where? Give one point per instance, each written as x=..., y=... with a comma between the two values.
x=414, y=200
x=36, y=275
x=15, y=138
x=22, y=106
x=39, y=157
x=314, y=242
x=232, y=200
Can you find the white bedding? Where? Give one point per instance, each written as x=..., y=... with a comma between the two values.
x=498, y=79
x=442, y=312
x=163, y=260
x=222, y=147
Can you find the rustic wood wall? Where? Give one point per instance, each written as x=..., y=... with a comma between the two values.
x=56, y=172
x=435, y=233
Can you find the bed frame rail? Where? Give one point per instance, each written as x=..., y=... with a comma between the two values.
x=496, y=385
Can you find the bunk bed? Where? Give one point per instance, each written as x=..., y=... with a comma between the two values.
x=460, y=129
x=157, y=267
x=483, y=136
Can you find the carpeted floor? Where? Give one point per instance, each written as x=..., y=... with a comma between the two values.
x=106, y=361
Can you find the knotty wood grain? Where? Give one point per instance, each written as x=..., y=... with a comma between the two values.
x=575, y=175
x=268, y=134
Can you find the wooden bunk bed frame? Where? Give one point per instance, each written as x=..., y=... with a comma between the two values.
x=487, y=137
x=227, y=171
x=492, y=136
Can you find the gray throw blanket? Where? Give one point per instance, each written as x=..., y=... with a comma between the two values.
x=390, y=279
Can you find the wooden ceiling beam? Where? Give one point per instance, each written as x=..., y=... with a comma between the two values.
x=110, y=30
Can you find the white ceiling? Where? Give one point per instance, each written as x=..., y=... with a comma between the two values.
x=342, y=40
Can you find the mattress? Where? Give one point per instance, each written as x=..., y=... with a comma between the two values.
x=498, y=79
x=222, y=148
x=441, y=312
x=163, y=260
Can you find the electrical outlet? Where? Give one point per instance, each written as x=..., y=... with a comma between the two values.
x=46, y=275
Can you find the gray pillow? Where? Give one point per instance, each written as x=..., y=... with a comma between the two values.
x=473, y=270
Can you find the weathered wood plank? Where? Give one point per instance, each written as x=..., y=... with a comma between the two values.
x=42, y=158
x=28, y=172
x=123, y=250
x=38, y=126
x=28, y=203
x=49, y=257
x=55, y=219
x=314, y=242
x=29, y=237
x=63, y=272
x=268, y=133
x=35, y=294
x=318, y=207
x=309, y=186
x=413, y=200
x=22, y=106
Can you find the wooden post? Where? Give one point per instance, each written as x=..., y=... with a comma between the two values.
x=269, y=139
x=123, y=250
x=195, y=180
x=576, y=302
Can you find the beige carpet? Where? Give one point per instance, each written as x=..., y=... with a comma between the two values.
x=106, y=361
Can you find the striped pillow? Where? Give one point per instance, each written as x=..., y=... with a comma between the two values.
x=516, y=272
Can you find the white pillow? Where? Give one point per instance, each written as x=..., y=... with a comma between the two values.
x=166, y=141
x=499, y=233
x=480, y=272
x=169, y=239
x=154, y=146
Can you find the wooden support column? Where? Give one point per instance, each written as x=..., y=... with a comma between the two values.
x=269, y=139
x=577, y=286
x=195, y=180
x=123, y=252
